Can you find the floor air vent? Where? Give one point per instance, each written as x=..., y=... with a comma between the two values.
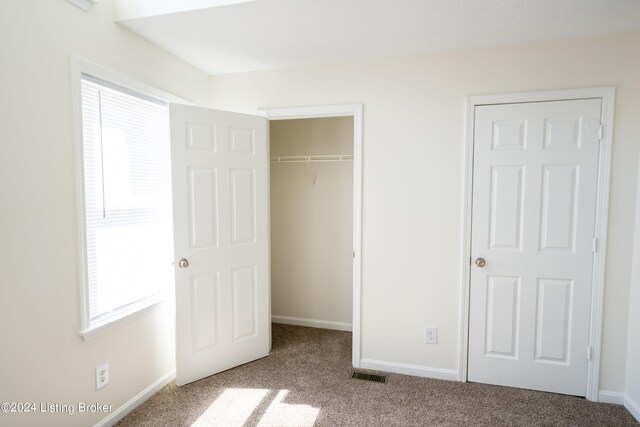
x=369, y=377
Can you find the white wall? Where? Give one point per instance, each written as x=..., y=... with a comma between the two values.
x=42, y=359
x=632, y=389
x=413, y=164
x=312, y=222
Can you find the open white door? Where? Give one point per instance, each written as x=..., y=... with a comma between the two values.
x=220, y=198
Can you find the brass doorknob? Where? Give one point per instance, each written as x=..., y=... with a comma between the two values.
x=183, y=263
x=480, y=262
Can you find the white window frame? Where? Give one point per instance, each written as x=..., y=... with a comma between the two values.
x=89, y=330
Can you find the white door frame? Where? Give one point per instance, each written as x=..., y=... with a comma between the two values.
x=355, y=111
x=607, y=95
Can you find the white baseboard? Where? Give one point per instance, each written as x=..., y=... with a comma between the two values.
x=312, y=323
x=632, y=406
x=616, y=397
x=415, y=370
x=137, y=400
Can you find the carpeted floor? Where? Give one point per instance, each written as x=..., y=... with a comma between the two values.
x=305, y=382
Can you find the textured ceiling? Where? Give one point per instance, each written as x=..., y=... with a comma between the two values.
x=270, y=34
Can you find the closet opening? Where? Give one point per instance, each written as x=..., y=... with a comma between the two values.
x=312, y=223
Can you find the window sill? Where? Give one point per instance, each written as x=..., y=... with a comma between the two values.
x=121, y=318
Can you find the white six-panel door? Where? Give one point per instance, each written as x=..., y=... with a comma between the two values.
x=534, y=198
x=220, y=197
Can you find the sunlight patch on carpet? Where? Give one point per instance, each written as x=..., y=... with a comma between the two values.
x=281, y=414
x=232, y=408
x=235, y=405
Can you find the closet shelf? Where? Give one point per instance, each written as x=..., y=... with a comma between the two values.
x=309, y=159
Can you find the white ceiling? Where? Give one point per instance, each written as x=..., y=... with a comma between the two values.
x=271, y=34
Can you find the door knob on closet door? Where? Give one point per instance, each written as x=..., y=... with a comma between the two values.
x=480, y=262
x=183, y=263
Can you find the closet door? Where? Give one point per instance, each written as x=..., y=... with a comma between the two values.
x=220, y=199
x=535, y=173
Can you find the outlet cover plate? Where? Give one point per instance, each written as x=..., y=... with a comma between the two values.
x=102, y=376
x=430, y=335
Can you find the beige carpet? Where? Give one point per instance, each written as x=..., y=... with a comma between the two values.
x=305, y=381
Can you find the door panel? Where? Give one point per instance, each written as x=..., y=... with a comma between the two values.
x=205, y=306
x=203, y=208
x=243, y=202
x=534, y=197
x=503, y=300
x=245, y=299
x=553, y=329
x=507, y=192
x=219, y=165
x=559, y=197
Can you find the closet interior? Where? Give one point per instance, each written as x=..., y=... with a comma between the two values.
x=312, y=221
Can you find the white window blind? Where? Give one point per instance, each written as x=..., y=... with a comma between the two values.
x=127, y=182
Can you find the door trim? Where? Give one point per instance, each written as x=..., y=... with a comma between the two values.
x=607, y=95
x=354, y=110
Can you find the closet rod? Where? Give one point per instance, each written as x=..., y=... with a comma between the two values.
x=308, y=159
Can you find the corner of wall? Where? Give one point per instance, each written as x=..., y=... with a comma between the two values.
x=137, y=400
x=632, y=369
x=632, y=406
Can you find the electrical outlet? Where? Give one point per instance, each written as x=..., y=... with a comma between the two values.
x=102, y=376
x=430, y=335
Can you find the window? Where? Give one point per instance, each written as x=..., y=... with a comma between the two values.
x=127, y=225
